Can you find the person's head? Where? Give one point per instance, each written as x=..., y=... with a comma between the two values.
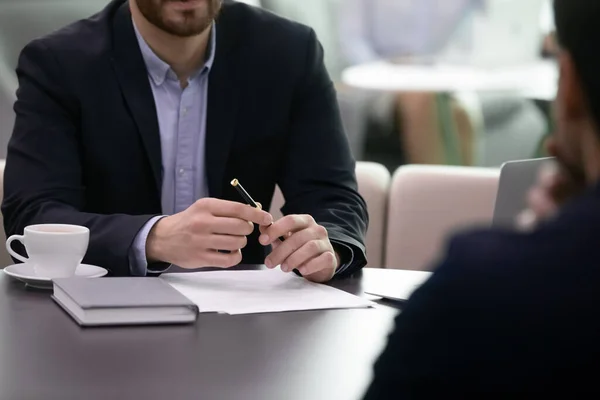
x=183, y=18
x=578, y=102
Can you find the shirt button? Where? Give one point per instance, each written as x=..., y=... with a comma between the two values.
x=184, y=111
x=181, y=171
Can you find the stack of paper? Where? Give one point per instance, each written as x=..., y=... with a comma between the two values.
x=252, y=292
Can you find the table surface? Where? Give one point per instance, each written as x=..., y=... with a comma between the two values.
x=537, y=80
x=298, y=355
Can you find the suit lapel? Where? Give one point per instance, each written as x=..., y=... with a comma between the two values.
x=223, y=101
x=133, y=77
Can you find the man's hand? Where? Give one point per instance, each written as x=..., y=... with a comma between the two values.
x=193, y=238
x=554, y=187
x=306, y=247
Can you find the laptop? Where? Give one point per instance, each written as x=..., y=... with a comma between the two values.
x=516, y=178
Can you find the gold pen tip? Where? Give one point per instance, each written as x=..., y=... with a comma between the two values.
x=235, y=182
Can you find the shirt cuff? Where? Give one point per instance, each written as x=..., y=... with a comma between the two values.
x=346, y=254
x=138, y=264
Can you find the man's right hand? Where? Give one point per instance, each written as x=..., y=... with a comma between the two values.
x=192, y=239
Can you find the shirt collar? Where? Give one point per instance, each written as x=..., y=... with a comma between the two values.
x=159, y=70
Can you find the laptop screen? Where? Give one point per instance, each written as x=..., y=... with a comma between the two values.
x=516, y=178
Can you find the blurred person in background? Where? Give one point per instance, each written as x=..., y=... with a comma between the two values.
x=402, y=30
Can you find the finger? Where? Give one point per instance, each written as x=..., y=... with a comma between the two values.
x=222, y=260
x=224, y=208
x=287, y=224
x=526, y=220
x=262, y=228
x=549, y=175
x=232, y=226
x=541, y=203
x=294, y=243
x=226, y=242
x=268, y=264
x=307, y=252
x=326, y=260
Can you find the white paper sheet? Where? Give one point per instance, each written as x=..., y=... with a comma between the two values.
x=253, y=292
x=394, y=284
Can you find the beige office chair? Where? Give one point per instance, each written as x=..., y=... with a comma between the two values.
x=5, y=259
x=428, y=203
x=373, y=184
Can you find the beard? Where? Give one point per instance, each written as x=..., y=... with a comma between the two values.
x=183, y=23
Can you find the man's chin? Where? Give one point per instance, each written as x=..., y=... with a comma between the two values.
x=183, y=28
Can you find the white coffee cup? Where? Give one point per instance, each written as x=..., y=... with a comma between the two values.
x=54, y=250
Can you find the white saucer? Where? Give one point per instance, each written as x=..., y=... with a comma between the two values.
x=24, y=273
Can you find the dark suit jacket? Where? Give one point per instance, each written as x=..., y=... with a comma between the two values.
x=505, y=315
x=86, y=148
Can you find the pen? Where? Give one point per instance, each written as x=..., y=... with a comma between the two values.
x=250, y=201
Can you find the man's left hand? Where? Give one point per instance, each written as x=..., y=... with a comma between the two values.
x=306, y=247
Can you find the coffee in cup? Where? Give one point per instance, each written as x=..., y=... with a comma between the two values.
x=55, y=250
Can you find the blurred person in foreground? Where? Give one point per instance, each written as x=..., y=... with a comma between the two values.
x=409, y=31
x=510, y=314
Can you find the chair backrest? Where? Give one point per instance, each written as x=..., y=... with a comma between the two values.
x=5, y=259
x=427, y=203
x=373, y=184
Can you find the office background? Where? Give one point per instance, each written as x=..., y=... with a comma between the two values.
x=504, y=124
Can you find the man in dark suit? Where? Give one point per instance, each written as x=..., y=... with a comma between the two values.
x=512, y=314
x=133, y=123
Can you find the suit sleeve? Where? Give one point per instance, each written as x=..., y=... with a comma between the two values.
x=431, y=351
x=489, y=322
x=318, y=176
x=415, y=363
x=43, y=178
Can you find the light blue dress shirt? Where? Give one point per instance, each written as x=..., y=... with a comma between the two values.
x=182, y=125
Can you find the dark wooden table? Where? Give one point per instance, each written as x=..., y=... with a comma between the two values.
x=300, y=355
